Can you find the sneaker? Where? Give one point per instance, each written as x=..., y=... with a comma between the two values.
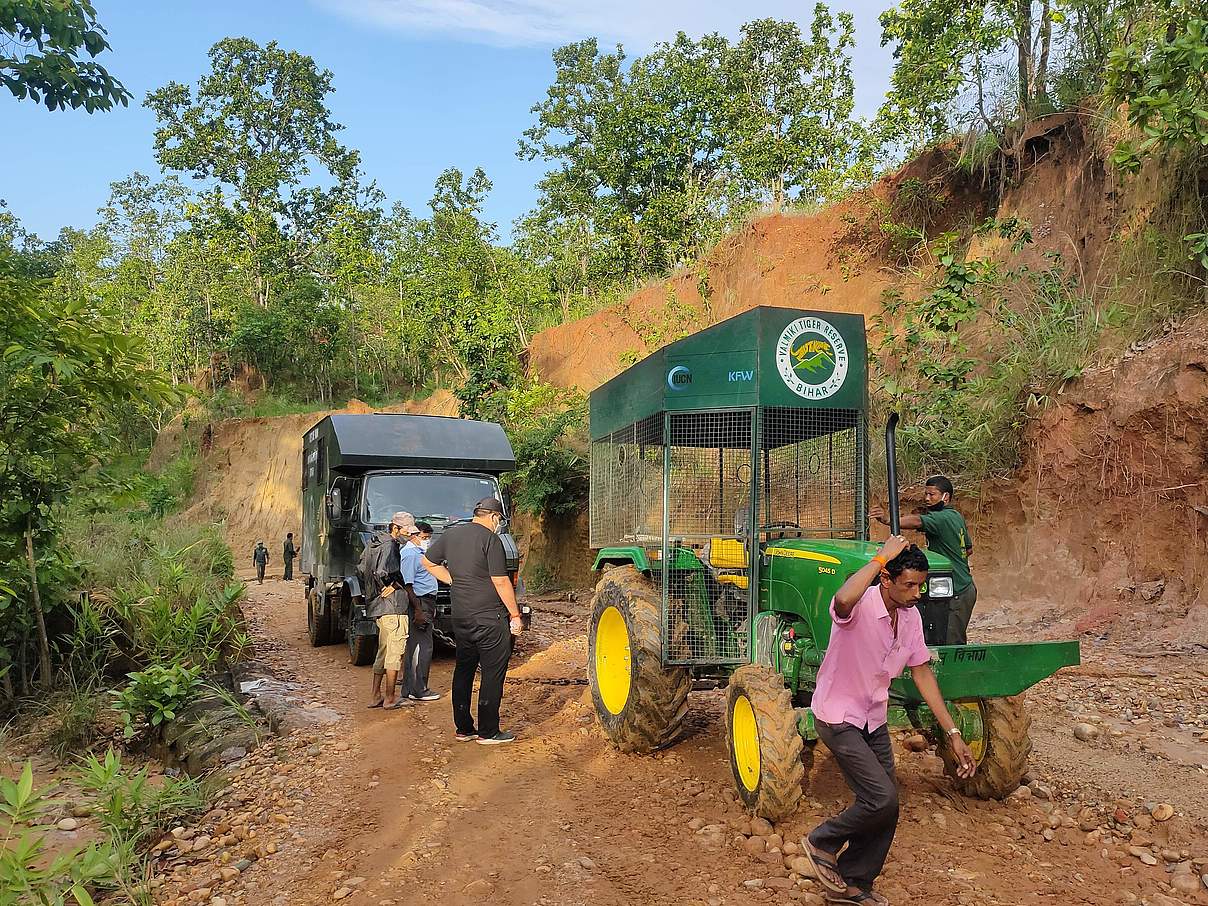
x=503, y=736
x=428, y=696
x=465, y=737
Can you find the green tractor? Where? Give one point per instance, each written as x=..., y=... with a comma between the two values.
x=729, y=501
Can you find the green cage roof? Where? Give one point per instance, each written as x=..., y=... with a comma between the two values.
x=766, y=357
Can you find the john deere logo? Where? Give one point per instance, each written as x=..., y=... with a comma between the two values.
x=812, y=358
x=679, y=378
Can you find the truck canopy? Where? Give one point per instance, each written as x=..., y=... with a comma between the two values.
x=358, y=443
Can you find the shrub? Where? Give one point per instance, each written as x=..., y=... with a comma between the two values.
x=155, y=695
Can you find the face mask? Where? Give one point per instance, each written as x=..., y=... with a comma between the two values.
x=936, y=507
x=423, y=543
x=498, y=524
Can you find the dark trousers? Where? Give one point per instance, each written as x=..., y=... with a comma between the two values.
x=959, y=613
x=483, y=642
x=867, y=826
x=289, y=569
x=260, y=571
x=417, y=657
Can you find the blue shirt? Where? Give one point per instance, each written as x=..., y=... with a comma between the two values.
x=414, y=574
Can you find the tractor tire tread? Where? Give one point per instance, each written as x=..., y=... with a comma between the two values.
x=782, y=753
x=658, y=700
x=1006, y=725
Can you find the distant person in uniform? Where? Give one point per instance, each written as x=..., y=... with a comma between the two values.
x=421, y=590
x=288, y=552
x=469, y=557
x=260, y=559
x=947, y=534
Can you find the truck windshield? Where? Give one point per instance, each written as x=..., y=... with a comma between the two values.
x=426, y=497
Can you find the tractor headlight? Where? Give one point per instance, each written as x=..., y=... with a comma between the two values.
x=939, y=587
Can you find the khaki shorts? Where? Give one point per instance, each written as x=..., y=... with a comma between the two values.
x=392, y=639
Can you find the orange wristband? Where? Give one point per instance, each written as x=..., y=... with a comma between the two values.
x=879, y=559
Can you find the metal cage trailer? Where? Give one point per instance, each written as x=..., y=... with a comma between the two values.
x=729, y=501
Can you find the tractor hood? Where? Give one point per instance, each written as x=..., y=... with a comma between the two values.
x=840, y=552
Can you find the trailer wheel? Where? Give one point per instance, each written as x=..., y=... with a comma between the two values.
x=362, y=649
x=1002, y=753
x=318, y=625
x=640, y=703
x=765, y=747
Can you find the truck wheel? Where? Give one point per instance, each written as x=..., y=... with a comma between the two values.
x=318, y=625
x=362, y=649
x=765, y=747
x=640, y=703
x=1002, y=754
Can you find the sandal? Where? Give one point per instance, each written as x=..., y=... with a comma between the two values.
x=376, y=704
x=399, y=702
x=826, y=870
x=862, y=898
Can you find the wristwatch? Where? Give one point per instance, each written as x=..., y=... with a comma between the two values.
x=955, y=731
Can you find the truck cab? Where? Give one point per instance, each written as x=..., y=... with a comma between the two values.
x=357, y=472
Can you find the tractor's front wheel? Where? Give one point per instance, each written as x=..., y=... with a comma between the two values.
x=765, y=747
x=1002, y=752
x=640, y=703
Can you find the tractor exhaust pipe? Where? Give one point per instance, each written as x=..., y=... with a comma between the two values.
x=891, y=467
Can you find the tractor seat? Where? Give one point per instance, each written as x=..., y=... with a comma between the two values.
x=724, y=555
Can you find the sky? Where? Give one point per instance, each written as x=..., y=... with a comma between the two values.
x=420, y=85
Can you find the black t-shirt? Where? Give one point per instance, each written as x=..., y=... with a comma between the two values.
x=474, y=554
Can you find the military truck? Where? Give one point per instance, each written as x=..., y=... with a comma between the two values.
x=357, y=471
x=729, y=502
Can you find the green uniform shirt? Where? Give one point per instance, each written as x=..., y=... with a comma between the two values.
x=947, y=533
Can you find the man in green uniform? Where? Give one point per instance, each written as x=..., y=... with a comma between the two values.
x=947, y=534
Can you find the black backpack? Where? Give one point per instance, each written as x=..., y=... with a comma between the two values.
x=370, y=565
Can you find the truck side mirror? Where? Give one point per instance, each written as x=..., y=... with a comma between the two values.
x=335, y=505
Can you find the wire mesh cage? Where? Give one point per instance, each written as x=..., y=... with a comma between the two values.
x=812, y=472
x=707, y=569
x=626, y=505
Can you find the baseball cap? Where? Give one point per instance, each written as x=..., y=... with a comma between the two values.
x=405, y=521
x=490, y=504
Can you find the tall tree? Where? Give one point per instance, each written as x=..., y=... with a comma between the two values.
x=43, y=44
x=259, y=126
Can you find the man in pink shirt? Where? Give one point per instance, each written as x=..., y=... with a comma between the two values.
x=877, y=633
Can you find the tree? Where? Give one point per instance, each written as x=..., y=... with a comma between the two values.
x=42, y=43
x=258, y=125
x=67, y=375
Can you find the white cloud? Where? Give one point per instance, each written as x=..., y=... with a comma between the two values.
x=639, y=23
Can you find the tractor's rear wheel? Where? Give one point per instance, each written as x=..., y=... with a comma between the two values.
x=1002, y=754
x=765, y=747
x=318, y=625
x=640, y=703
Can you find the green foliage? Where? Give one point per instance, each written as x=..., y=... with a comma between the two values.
x=29, y=874
x=42, y=55
x=70, y=719
x=130, y=807
x=965, y=411
x=154, y=695
x=653, y=159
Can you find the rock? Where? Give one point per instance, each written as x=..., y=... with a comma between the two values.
x=753, y=883
x=81, y=811
x=1085, y=732
x=1143, y=854
x=1185, y=882
x=341, y=892
x=228, y=874
x=696, y=824
x=479, y=888
x=1163, y=811
x=68, y=824
x=243, y=865
x=916, y=743
x=1040, y=791
x=218, y=901
x=232, y=754
x=778, y=883
x=802, y=866
x=755, y=845
x=354, y=882
x=590, y=865
x=761, y=827
x=1022, y=792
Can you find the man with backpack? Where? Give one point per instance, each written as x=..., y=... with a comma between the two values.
x=388, y=602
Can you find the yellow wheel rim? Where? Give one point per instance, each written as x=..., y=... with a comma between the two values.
x=744, y=732
x=976, y=746
x=612, y=660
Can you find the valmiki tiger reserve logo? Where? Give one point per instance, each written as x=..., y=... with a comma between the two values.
x=812, y=358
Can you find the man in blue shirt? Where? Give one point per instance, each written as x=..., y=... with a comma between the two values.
x=421, y=590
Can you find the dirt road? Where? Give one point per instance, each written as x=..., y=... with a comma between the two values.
x=386, y=808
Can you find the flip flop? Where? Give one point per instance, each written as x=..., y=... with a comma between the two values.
x=825, y=869
x=376, y=704
x=398, y=703
x=863, y=898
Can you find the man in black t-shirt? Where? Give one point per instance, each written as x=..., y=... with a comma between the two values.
x=469, y=557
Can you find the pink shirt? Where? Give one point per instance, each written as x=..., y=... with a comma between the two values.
x=861, y=659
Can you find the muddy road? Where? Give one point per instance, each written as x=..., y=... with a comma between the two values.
x=379, y=808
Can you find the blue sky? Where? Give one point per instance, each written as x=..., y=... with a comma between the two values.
x=421, y=85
